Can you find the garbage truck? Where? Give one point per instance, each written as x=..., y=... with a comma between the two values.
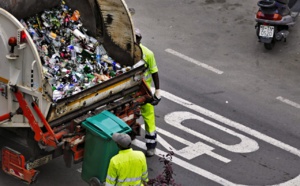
x=50, y=127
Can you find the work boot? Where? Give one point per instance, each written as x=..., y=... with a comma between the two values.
x=150, y=152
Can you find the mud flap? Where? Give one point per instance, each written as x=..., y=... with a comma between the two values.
x=265, y=40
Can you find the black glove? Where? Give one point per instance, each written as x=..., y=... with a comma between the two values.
x=156, y=98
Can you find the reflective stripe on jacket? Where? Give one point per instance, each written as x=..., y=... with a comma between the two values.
x=129, y=167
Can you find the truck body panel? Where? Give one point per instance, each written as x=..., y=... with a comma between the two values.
x=18, y=71
x=51, y=128
x=28, y=66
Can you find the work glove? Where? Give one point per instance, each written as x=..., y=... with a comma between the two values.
x=156, y=97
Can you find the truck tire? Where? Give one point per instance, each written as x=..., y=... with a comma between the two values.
x=34, y=178
x=34, y=148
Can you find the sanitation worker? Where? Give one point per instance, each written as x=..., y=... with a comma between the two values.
x=147, y=110
x=129, y=166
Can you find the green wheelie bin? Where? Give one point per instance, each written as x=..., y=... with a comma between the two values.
x=99, y=147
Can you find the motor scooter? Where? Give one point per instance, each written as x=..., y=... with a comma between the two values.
x=274, y=18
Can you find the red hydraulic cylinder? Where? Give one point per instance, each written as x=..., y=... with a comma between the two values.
x=28, y=114
x=41, y=116
x=5, y=117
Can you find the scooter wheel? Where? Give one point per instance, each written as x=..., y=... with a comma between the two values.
x=269, y=46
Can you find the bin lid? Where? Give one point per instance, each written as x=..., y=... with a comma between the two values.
x=105, y=125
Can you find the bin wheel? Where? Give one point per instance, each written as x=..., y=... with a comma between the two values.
x=95, y=182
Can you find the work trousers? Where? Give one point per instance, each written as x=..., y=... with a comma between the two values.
x=148, y=115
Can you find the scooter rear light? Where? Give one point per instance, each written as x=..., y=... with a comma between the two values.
x=260, y=15
x=273, y=17
x=277, y=17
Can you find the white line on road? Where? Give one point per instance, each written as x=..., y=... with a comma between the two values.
x=182, y=56
x=289, y=102
x=201, y=148
x=246, y=145
x=205, y=173
x=254, y=133
x=231, y=123
x=188, y=166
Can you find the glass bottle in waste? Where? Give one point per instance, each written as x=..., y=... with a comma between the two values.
x=98, y=55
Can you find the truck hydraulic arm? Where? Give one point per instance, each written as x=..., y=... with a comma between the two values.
x=49, y=138
x=5, y=117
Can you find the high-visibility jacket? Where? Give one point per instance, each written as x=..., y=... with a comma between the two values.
x=128, y=167
x=149, y=58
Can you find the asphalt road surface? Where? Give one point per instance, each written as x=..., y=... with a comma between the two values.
x=230, y=108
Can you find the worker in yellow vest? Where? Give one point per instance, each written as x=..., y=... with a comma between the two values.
x=147, y=110
x=129, y=166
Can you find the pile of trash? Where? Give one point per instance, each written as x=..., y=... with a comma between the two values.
x=72, y=60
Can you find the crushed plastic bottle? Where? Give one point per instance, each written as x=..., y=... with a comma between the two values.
x=73, y=53
x=33, y=34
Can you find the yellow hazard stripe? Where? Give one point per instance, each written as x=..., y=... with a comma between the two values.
x=98, y=92
x=4, y=80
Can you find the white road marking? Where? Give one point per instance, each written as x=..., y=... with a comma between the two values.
x=205, y=173
x=189, y=166
x=256, y=134
x=289, y=102
x=230, y=123
x=192, y=150
x=200, y=171
x=246, y=145
x=182, y=56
